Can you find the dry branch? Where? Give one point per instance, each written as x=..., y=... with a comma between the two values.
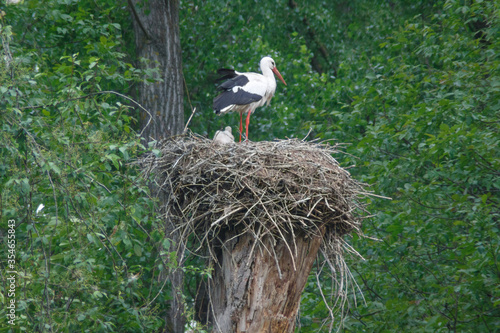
x=271, y=191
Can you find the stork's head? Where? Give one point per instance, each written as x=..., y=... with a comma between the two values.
x=268, y=62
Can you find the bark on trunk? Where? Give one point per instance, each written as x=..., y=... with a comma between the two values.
x=250, y=293
x=156, y=27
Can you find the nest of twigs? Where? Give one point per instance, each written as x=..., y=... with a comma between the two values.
x=268, y=189
x=280, y=186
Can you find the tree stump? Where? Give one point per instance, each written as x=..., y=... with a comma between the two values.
x=260, y=292
x=260, y=211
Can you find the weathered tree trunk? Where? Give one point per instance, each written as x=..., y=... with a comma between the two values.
x=156, y=27
x=250, y=293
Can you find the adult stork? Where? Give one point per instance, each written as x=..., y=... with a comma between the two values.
x=244, y=92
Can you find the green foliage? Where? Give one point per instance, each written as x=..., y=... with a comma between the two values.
x=413, y=86
x=88, y=261
x=305, y=39
x=423, y=120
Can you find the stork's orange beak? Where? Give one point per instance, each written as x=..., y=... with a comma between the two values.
x=277, y=73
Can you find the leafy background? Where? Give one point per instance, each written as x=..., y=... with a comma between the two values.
x=411, y=86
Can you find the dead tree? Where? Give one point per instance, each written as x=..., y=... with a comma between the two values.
x=261, y=213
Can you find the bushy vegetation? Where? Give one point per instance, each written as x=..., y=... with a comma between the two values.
x=412, y=86
x=87, y=260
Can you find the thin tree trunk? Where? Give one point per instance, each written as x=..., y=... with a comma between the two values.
x=156, y=27
x=250, y=293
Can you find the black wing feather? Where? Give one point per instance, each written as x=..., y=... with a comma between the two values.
x=228, y=96
x=226, y=73
x=240, y=97
x=237, y=81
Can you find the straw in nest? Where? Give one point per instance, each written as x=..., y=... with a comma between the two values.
x=266, y=188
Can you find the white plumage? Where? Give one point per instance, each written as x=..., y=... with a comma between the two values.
x=225, y=136
x=244, y=92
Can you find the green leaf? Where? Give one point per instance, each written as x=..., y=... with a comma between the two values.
x=137, y=250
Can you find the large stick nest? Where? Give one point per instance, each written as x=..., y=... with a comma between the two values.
x=267, y=188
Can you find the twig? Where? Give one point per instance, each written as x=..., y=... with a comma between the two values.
x=273, y=191
x=189, y=120
x=93, y=94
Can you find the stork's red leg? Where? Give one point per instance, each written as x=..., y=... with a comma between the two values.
x=241, y=124
x=247, y=123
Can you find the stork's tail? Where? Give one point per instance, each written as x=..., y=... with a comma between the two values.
x=226, y=74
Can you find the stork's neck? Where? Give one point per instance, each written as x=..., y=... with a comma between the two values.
x=271, y=81
x=268, y=73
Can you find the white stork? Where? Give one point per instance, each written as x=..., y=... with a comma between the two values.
x=245, y=92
